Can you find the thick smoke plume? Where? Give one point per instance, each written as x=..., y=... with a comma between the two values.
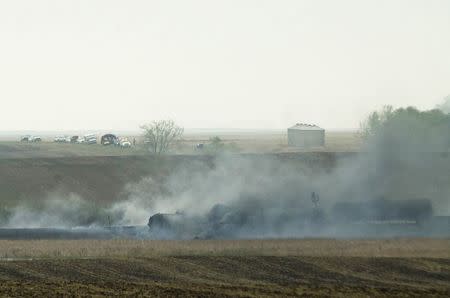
x=406, y=159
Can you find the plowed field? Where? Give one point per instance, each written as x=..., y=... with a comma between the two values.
x=233, y=276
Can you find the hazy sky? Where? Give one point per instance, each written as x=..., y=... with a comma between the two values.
x=218, y=64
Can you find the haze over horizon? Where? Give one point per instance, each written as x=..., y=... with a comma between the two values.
x=114, y=65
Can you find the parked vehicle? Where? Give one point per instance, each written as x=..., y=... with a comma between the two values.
x=74, y=139
x=25, y=138
x=109, y=139
x=62, y=139
x=28, y=138
x=90, y=139
x=125, y=143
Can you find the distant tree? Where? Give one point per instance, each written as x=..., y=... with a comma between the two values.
x=407, y=129
x=216, y=142
x=375, y=121
x=217, y=145
x=445, y=105
x=160, y=135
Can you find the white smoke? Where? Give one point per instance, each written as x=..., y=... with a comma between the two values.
x=58, y=210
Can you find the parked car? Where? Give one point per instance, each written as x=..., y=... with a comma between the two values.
x=74, y=139
x=90, y=139
x=125, y=143
x=29, y=138
x=25, y=138
x=62, y=139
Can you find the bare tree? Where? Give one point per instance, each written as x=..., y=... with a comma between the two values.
x=159, y=135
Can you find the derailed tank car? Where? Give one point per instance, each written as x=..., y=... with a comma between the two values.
x=230, y=222
x=372, y=218
x=173, y=226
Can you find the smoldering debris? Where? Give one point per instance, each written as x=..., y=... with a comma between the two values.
x=375, y=218
x=247, y=197
x=225, y=222
x=405, y=161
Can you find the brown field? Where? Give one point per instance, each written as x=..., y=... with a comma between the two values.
x=246, y=268
x=406, y=248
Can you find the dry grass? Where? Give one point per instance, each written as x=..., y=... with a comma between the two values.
x=430, y=248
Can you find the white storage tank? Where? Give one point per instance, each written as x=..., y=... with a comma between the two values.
x=306, y=136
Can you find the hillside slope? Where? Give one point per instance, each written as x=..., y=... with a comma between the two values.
x=103, y=178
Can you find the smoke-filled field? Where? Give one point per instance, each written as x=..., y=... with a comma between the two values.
x=242, y=268
x=84, y=191
x=395, y=186
x=232, y=196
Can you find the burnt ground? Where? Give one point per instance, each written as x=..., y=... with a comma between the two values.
x=227, y=276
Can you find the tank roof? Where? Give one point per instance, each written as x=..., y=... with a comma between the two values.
x=304, y=126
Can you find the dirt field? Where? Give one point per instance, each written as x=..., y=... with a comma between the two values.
x=414, y=267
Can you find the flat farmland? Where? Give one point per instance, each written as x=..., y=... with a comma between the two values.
x=243, y=142
x=238, y=268
x=276, y=141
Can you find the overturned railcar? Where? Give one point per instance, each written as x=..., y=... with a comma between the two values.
x=173, y=226
x=372, y=218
